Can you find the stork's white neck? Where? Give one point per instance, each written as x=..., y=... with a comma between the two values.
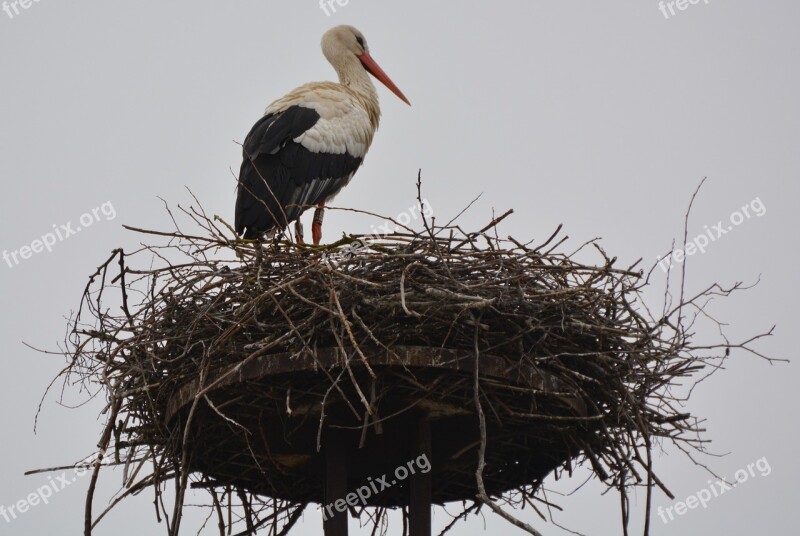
x=353, y=75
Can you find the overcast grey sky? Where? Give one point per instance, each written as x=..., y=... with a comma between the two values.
x=603, y=116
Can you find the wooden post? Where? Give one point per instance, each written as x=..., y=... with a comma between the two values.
x=335, y=483
x=421, y=485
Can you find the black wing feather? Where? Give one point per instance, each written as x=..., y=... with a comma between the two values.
x=280, y=178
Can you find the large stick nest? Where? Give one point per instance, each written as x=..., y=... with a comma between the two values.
x=229, y=361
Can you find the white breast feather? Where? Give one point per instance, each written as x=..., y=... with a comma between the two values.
x=344, y=125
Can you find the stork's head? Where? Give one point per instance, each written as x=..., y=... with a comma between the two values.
x=341, y=44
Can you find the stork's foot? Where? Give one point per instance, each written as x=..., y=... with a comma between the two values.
x=298, y=231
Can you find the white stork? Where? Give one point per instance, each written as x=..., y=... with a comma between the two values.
x=310, y=143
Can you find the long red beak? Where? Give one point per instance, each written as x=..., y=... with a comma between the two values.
x=375, y=70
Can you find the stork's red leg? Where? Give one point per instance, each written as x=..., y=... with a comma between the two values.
x=298, y=231
x=316, y=226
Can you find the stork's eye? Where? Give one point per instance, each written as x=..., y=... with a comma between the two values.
x=360, y=41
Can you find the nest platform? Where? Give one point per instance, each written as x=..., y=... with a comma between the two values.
x=274, y=449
